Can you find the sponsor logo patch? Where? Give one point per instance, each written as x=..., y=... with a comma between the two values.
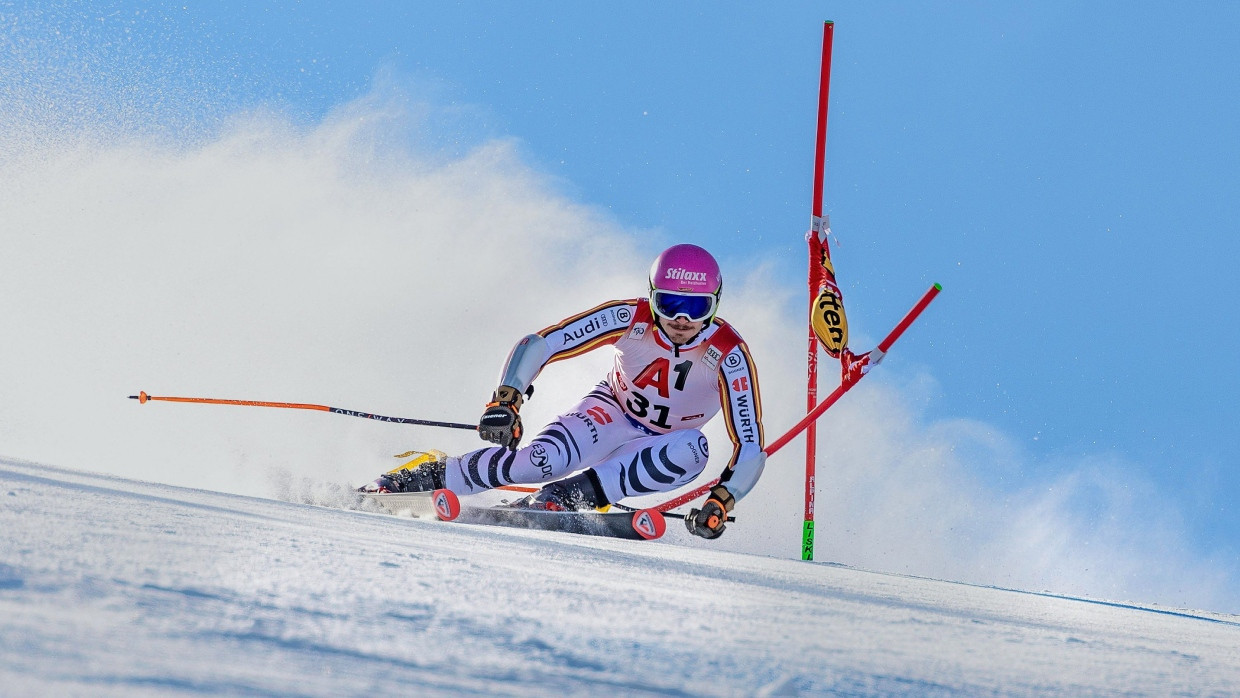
x=712, y=357
x=447, y=507
x=596, y=323
x=538, y=457
x=734, y=363
x=682, y=274
x=648, y=524
x=586, y=418
x=745, y=427
x=828, y=321
x=599, y=414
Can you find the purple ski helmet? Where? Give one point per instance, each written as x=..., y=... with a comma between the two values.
x=685, y=281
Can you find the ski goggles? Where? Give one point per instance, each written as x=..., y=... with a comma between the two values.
x=669, y=305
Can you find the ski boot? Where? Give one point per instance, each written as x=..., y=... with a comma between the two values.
x=425, y=473
x=580, y=492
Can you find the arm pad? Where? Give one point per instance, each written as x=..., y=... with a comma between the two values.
x=745, y=474
x=524, y=362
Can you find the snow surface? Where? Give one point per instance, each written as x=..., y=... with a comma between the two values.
x=115, y=587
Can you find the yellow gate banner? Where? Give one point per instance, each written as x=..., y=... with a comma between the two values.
x=827, y=317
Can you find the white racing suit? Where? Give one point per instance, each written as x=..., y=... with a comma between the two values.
x=639, y=430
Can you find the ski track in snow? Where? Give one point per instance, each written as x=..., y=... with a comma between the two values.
x=115, y=587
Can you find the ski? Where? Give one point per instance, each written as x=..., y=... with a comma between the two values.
x=643, y=524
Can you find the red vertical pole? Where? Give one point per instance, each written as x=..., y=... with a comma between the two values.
x=817, y=248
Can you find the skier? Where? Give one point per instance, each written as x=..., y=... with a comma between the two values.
x=638, y=431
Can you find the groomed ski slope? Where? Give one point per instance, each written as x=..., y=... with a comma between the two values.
x=114, y=587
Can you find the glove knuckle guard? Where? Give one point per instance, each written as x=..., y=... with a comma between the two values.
x=501, y=423
x=507, y=396
x=723, y=497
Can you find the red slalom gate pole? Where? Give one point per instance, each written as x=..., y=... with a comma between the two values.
x=817, y=239
x=875, y=357
x=808, y=420
x=687, y=496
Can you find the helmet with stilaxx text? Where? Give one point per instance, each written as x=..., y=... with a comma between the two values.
x=685, y=281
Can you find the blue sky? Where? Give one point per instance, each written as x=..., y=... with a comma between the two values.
x=1068, y=171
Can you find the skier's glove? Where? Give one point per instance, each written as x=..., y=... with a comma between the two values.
x=711, y=519
x=500, y=423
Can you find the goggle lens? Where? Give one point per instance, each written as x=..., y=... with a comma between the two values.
x=696, y=307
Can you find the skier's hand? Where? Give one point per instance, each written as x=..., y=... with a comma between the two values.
x=709, y=521
x=500, y=423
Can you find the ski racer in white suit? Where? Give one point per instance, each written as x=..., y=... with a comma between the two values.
x=638, y=432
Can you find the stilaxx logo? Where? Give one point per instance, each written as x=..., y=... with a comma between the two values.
x=681, y=274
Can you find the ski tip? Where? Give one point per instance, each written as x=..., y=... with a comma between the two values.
x=447, y=506
x=649, y=523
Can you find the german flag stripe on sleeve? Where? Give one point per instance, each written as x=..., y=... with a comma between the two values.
x=601, y=340
x=739, y=415
x=547, y=331
x=601, y=325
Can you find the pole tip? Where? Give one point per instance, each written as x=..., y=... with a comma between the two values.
x=938, y=287
x=141, y=397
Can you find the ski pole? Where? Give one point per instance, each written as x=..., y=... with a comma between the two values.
x=670, y=515
x=845, y=385
x=143, y=398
